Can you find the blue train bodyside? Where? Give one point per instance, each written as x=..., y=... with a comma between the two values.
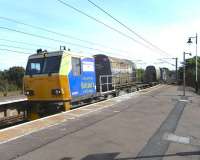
x=83, y=84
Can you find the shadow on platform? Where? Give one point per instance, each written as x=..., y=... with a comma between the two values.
x=112, y=156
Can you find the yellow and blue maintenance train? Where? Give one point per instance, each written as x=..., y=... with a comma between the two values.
x=61, y=80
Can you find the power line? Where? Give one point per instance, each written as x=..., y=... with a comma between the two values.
x=59, y=34
x=106, y=25
x=50, y=31
x=64, y=34
x=166, y=63
x=25, y=43
x=128, y=28
x=10, y=46
x=15, y=51
x=55, y=40
x=3, y=49
x=44, y=29
x=20, y=42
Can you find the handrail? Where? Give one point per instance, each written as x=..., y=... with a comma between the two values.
x=105, y=81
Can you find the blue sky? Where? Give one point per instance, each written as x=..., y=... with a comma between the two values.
x=166, y=23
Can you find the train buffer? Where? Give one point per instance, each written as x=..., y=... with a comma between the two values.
x=151, y=123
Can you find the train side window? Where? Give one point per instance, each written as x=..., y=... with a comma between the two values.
x=76, y=66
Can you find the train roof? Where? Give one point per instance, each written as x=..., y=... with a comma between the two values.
x=115, y=59
x=56, y=53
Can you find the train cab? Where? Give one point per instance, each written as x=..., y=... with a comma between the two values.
x=59, y=77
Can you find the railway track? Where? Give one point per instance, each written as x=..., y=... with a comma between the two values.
x=11, y=120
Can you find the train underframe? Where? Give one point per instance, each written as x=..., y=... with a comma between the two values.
x=31, y=110
x=39, y=109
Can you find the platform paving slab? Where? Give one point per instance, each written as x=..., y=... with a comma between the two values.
x=120, y=131
x=189, y=126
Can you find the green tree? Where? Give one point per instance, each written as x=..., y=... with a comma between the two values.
x=15, y=76
x=4, y=86
x=190, y=72
x=140, y=74
x=11, y=79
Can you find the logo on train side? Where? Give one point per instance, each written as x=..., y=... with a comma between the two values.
x=87, y=85
x=88, y=66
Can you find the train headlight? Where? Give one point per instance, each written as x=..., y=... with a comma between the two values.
x=57, y=92
x=29, y=92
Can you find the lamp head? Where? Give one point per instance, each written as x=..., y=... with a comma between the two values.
x=189, y=41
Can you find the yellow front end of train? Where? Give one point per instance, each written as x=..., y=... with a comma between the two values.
x=47, y=88
x=46, y=81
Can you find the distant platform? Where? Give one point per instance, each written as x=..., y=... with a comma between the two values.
x=12, y=99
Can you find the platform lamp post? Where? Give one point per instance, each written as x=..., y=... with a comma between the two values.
x=184, y=63
x=196, y=75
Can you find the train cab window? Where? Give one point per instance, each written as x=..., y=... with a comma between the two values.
x=34, y=66
x=76, y=66
x=52, y=64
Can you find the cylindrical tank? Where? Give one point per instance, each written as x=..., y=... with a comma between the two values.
x=152, y=74
x=164, y=74
x=115, y=71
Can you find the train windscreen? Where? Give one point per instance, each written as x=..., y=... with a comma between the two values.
x=52, y=64
x=44, y=65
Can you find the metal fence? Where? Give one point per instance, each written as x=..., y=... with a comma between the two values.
x=109, y=83
x=106, y=81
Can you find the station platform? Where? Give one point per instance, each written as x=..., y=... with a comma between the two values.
x=12, y=99
x=154, y=123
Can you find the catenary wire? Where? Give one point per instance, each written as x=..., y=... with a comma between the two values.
x=11, y=46
x=106, y=25
x=59, y=34
x=110, y=27
x=56, y=40
x=50, y=31
x=128, y=28
x=25, y=43
x=10, y=50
